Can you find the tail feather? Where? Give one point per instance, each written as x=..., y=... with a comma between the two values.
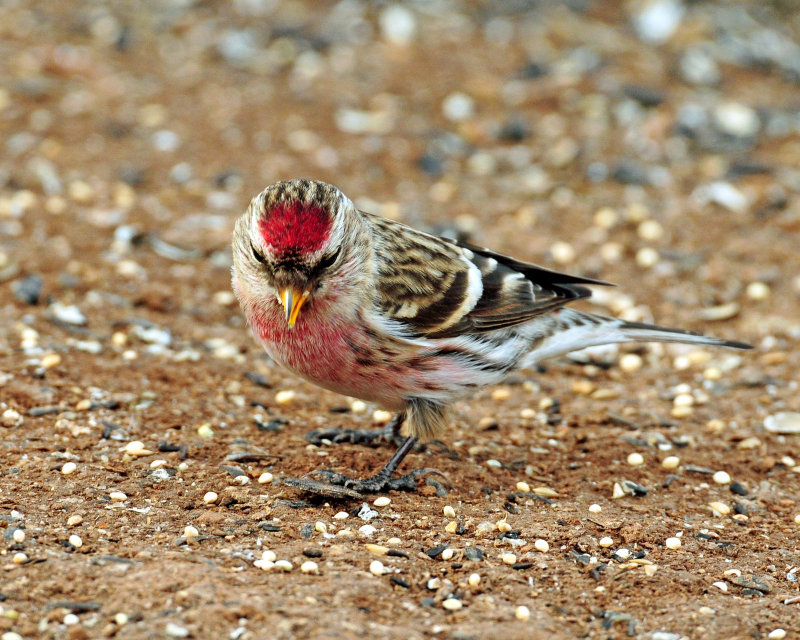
x=575, y=330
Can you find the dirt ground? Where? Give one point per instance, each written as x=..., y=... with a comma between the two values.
x=652, y=144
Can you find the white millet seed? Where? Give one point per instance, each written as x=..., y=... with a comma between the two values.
x=635, y=459
x=449, y=512
x=210, y=497
x=673, y=543
x=722, y=477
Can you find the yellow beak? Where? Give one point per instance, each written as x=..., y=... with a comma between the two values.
x=292, y=299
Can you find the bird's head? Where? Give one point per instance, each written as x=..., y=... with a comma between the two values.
x=291, y=243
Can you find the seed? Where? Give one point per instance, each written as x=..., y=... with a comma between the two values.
x=18, y=535
x=366, y=530
x=650, y=230
x=157, y=464
x=451, y=527
x=494, y=464
x=75, y=541
x=358, y=407
x=722, y=477
x=447, y=554
x=673, y=543
x=605, y=542
x=605, y=218
x=562, y=252
x=683, y=400
x=503, y=526
x=509, y=558
x=545, y=492
x=268, y=555
x=777, y=634
x=523, y=486
x=136, y=448
x=285, y=396
x=210, y=497
x=68, y=468
x=320, y=527
x=190, y=532
x=681, y=411
x=393, y=541
x=647, y=257
x=474, y=580
x=630, y=362
x=671, y=462
x=617, y=492
x=722, y=586
x=265, y=477
x=522, y=613
x=382, y=501
x=449, y=512
x=376, y=568
x=283, y=565
x=74, y=521
x=19, y=558
x=381, y=417
x=635, y=459
x=650, y=570
x=452, y=604
x=11, y=418
x=117, y=496
x=749, y=443
x=205, y=431
x=501, y=393
x=758, y=291
x=797, y=518
x=309, y=567
x=342, y=515
x=720, y=507
x=377, y=549
x=712, y=373
x=595, y=508
x=541, y=545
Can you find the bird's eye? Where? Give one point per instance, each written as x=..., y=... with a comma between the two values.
x=259, y=258
x=327, y=261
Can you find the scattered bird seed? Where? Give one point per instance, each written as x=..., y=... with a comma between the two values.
x=722, y=477
x=671, y=462
x=451, y=527
x=720, y=508
x=205, y=431
x=474, y=580
x=68, y=468
x=650, y=570
x=19, y=558
x=377, y=568
x=545, y=492
x=777, y=634
x=10, y=418
x=117, y=496
x=136, y=448
x=522, y=613
x=309, y=566
x=452, y=604
x=76, y=541
x=283, y=565
x=673, y=543
x=595, y=508
x=285, y=396
x=210, y=497
x=635, y=459
x=377, y=549
x=449, y=512
x=786, y=422
x=541, y=545
x=509, y=558
x=448, y=554
x=722, y=586
x=382, y=501
x=190, y=532
x=74, y=520
x=265, y=478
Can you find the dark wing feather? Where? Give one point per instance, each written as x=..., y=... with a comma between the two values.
x=426, y=288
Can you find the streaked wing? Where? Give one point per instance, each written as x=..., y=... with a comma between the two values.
x=439, y=288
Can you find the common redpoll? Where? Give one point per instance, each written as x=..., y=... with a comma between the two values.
x=376, y=310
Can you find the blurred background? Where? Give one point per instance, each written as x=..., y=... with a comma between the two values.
x=636, y=140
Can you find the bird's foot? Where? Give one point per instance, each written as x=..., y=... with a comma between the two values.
x=352, y=436
x=379, y=482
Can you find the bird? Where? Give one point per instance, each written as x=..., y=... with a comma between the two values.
x=374, y=309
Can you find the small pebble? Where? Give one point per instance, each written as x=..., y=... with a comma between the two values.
x=18, y=536
x=68, y=468
x=541, y=545
x=630, y=362
x=449, y=512
x=623, y=553
x=722, y=477
x=366, y=530
x=522, y=613
x=265, y=478
x=458, y=106
x=76, y=541
x=452, y=604
x=617, y=492
x=309, y=566
x=71, y=619
x=503, y=526
x=786, y=422
x=635, y=459
x=474, y=580
x=671, y=462
x=382, y=501
x=595, y=508
x=210, y=497
x=377, y=568
x=451, y=527
x=11, y=418
x=509, y=558
x=650, y=570
x=722, y=586
x=797, y=519
x=673, y=543
x=117, y=496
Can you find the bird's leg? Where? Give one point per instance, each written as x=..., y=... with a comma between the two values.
x=391, y=432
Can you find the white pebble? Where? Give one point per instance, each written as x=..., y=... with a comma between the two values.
x=541, y=545
x=595, y=508
x=605, y=542
x=458, y=106
x=76, y=541
x=722, y=586
x=210, y=497
x=786, y=422
x=377, y=568
x=382, y=501
x=449, y=512
x=623, y=553
x=265, y=477
x=630, y=362
x=71, y=619
x=562, y=252
x=722, y=477
x=452, y=604
x=117, y=496
x=635, y=459
x=11, y=418
x=366, y=530
x=309, y=567
x=398, y=24
x=320, y=527
x=522, y=613
x=205, y=431
x=74, y=520
x=671, y=462
x=720, y=508
x=673, y=543
x=683, y=400
x=617, y=491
